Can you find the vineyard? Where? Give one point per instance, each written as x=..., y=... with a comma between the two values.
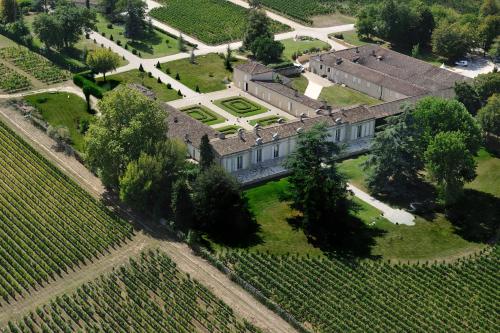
x=33, y=63
x=148, y=295
x=210, y=21
x=12, y=81
x=49, y=224
x=332, y=295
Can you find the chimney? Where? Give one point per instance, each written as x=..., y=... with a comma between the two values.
x=338, y=61
x=380, y=58
x=222, y=136
x=299, y=130
x=256, y=129
x=258, y=141
x=240, y=133
x=281, y=120
x=276, y=136
x=302, y=116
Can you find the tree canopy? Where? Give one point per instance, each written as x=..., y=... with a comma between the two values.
x=259, y=38
x=489, y=116
x=102, y=61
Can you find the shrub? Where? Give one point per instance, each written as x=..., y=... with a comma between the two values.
x=119, y=42
x=134, y=51
x=179, y=92
x=141, y=69
x=111, y=37
x=167, y=71
x=338, y=35
x=93, y=88
x=110, y=26
x=158, y=65
x=150, y=74
x=177, y=77
x=169, y=86
x=159, y=80
x=197, y=89
x=103, y=34
x=126, y=46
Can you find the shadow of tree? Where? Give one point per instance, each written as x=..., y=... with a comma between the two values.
x=476, y=217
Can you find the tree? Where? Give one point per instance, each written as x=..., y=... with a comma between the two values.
x=267, y=50
x=135, y=21
x=316, y=188
x=110, y=8
x=433, y=115
x=366, y=21
x=393, y=163
x=103, y=61
x=467, y=95
x=489, y=116
x=181, y=44
x=206, y=153
x=192, y=58
x=450, y=163
x=64, y=26
x=254, y=3
x=451, y=41
x=182, y=204
x=87, y=91
x=489, y=7
x=228, y=58
x=258, y=25
x=220, y=206
x=130, y=124
x=494, y=51
x=9, y=11
x=487, y=85
x=488, y=30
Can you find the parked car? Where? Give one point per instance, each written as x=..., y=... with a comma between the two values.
x=462, y=63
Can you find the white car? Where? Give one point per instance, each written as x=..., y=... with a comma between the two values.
x=463, y=63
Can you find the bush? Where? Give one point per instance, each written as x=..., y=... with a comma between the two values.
x=111, y=37
x=103, y=34
x=338, y=35
x=169, y=86
x=126, y=46
x=150, y=74
x=141, y=69
x=177, y=77
x=134, y=51
x=167, y=71
x=197, y=89
x=159, y=80
x=93, y=88
x=119, y=42
x=179, y=92
x=110, y=26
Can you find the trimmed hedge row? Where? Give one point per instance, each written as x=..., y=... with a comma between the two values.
x=84, y=80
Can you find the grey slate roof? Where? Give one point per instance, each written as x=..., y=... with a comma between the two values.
x=253, y=67
x=391, y=69
x=290, y=93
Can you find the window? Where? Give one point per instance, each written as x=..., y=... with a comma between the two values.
x=276, y=152
x=258, y=155
x=328, y=69
x=337, y=134
x=368, y=84
x=360, y=129
x=239, y=162
x=320, y=66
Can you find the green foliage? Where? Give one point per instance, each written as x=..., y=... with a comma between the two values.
x=486, y=85
x=267, y=49
x=488, y=30
x=452, y=41
x=64, y=26
x=494, y=51
x=489, y=116
x=135, y=23
x=9, y=11
x=393, y=164
x=450, y=163
x=317, y=189
x=50, y=229
x=130, y=124
x=103, y=60
x=206, y=153
x=489, y=7
x=258, y=25
x=220, y=206
x=89, y=85
x=182, y=204
x=468, y=96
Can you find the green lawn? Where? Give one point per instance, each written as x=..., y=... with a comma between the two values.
x=295, y=46
x=134, y=76
x=62, y=109
x=203, y=114
x=338, y=96
x=208, y=72
x=488, y=174
x=228, y=130
x=265, y=121
x=240, y=107
x=300, y=83
x=353, y=170
x=153, y=45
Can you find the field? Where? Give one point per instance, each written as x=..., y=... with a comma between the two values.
x=208, y=72
x=338, y=96
x=210, y=21
x=266, y=121
x=302, y=46
x=63, y=109
x=148, y=295
x=240, y=107
x=12, y=81
x=34, y=64
x=153, y=45
x=203, y=114
x=135, y=76
x=49, y=224
x=339, y=295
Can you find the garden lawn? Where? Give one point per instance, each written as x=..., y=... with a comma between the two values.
x=295, y=46
x=338, y=96
x=206, y=116
x=265, y=121
x=300, y=83
x=240, y=107
x=208, y=72
x=210, y=21
x=62, y=109
x=228, y=130
x=153, y=45
x=134, y=76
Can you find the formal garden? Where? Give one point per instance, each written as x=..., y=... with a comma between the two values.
x=267, y=121
x=240, y=106
x=210, y=21
x=203, y=114
x=228, y=130
x=207, y=72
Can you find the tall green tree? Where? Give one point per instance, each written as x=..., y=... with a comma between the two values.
x=468, y=96
x=450, y=163
x=489, y=116
x=486, y=85
x=316, y=188
x=9, y=11
x=182, y=204
x=393, y=163
x=267, y=50
x=451, y=41
x=206, y=153
x=488, y=30
x=135, y=21
x=130, y=124
x=489, y=7
x=258, y=25
x=433, y=115
x=110, y=8
x=220, y=206
x=102, y=61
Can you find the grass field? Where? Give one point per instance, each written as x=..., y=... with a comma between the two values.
x=153, y=45
x=148, y=294
x=63, y=109
x=295, y=46
x=240, y=107
x=210, y=21
x=49, y=224
x=135, y=76
x=338, y=96
x=208, y=72
x=300, y=83
x=203, y=114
